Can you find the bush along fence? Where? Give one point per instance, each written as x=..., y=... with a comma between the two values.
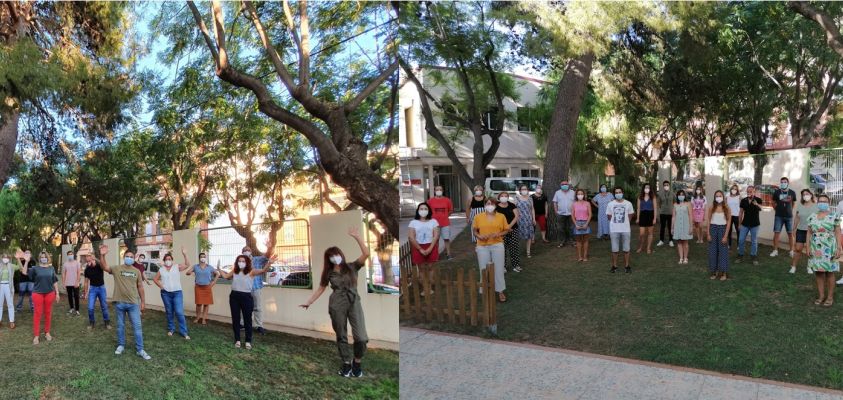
x=448, y=295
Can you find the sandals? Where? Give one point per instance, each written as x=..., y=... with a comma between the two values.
x=723, y=277
x=818, y=302
x=828, y=303
x=713, y=276
x=529, y=255
x=196, y=320
x=248, y=346
x=204, y=322
x=237, y=345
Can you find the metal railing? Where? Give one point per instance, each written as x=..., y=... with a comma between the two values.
x=291, y=265
x=825, y=171
x=383, y=272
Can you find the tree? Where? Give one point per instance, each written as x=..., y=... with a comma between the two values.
x=55, y=77
x=824, y=20
x=465, y=41
x=323, y=95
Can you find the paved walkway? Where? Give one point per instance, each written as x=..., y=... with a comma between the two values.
x=444, y=366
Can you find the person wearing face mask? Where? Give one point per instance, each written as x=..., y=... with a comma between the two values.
x=804, y=209
x=540, y=209
x=206, y=278
x=344, y=304
x=168, y=279
x=510, y=241
x=45, y=291
x=526, y=218
x=7, y=289
x=648, y=208
x=71, y=276
x=582, y=219
x=718, y=239
x=128, y=295
x=95, y=290
x=140, y=264
x=258, y=263
x=25, y=283
x=698, y=207
x=681, y=228
x=619, y=212
x=783, y=199
x=442, y=207
x=490, y=228
x=733, y=200
x=750, y=222
x=824, y=239
x=563, y=200
x=474, y=207
x=423, y=234
x=601, y=201
x=240, y=300
x=666, y=199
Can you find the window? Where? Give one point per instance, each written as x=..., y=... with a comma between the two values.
x=530, y=173
x=490, y=117
x=154, y=254
x=496, y=173
x=524, y=119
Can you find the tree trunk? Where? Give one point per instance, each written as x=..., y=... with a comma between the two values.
x=8, y=138
x=563, y=125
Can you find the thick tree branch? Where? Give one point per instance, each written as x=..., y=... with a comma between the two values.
x=370, y=88
x=832, y=33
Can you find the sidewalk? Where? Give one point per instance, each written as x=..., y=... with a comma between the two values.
x=437, y=365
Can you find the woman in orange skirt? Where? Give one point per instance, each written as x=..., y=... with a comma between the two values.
x=206, y=278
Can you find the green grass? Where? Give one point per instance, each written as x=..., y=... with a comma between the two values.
x=81, y=364
x=760, y=323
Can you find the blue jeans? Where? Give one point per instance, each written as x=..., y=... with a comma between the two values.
x=742, y=237
x=25, y=287
x=174, y=304
x=134, y=314
x=94, y=293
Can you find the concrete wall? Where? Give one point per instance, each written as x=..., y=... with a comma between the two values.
x=281, y=309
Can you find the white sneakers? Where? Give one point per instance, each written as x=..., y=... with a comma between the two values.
x=671, y=243
x=808, y=270
x=774, y=253
x=119, y=350
x=660, y=243
x=142, y=354
x=792, y=270
x=792, y=253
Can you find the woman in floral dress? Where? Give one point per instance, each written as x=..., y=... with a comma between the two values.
x=526, y=218
x=823, y=249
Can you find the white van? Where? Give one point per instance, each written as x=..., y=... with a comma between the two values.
x=494, y=186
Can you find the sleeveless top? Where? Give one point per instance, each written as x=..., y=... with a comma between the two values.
x=581, y=210
x=647, y=205
x=171, y=280
x=241, y=283
x=477, y=203
x=718, y=218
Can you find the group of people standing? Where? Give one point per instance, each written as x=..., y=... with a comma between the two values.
x=129, y=296
x=499, y=224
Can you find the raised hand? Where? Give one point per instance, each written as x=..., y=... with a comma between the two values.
x=183, y=251
x=103, y=249
x=305, y=306
x=354, y=232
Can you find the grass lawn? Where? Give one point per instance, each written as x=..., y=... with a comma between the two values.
x=761, y=322
x=81, y=364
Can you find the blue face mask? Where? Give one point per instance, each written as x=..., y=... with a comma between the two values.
x=129, y=260
x=822, y=206
x=681, y=198
x=603, y=190
x=784, y=185
x=564, y=187
x=619, y=196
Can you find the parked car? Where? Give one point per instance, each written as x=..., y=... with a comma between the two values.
x=150, y=269
x=382, y=288
x=275, y=274
x=495, y=186
x=299, y=279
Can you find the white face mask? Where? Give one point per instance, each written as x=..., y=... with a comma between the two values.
x=5, y=261
x=504, y=199
x=807, y=197
x=70, y=258
x=423, y=213
x=524, y=192
x=438, y=192
x=336, y=259
x=718, y=199
x=734, y=192
x=699, y=191
x=580, y=197
x=478, y=192
x=43, y=260
x=490, y=209
x=665, y=187
x=203, y=260
x=538, y=191
x=247, y=253
x=241, y=264
x=646, y=190
x=168, y=263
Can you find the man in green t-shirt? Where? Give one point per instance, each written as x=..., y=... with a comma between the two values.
x=128, y=296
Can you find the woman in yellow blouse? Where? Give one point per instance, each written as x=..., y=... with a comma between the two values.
x=490, y=228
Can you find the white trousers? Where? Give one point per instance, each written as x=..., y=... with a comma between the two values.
x=6, y=297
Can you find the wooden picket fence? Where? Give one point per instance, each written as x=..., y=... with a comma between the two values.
x=448, y=295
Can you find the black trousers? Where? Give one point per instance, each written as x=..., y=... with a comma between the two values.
x=73, y=297
x=734, y=223
x=667, y=222
x=241, y=304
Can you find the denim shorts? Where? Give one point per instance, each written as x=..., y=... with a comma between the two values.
x=786, y=221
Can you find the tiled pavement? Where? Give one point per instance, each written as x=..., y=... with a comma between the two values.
x=444, y=366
